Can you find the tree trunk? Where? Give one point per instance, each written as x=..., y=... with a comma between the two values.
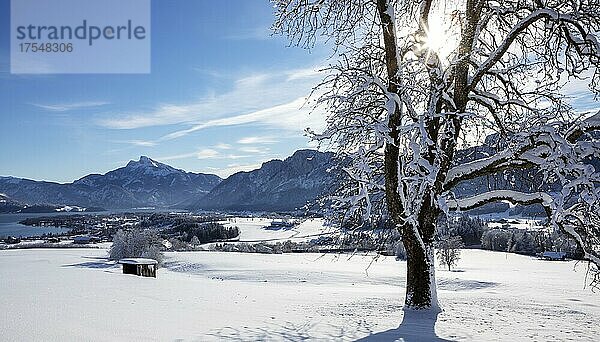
x=420, y=277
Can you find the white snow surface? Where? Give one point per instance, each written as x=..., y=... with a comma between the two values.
x=520, y=223
x=138, y=261
x=76, y=295
x=256, y=229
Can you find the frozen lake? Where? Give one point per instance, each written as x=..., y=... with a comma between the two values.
x=9, y=223
x=10, y=226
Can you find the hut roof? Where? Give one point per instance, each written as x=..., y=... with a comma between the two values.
x=554, y=255
x=138, y=261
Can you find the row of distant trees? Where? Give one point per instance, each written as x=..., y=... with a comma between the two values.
x=467, y=231
x=528, y=242
x=453, y=235
x=474, y=232
x=204, y=232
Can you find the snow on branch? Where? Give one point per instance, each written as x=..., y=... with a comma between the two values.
x=590, y=124
x=586, y=43
x=529, y=149
x=508, y=40
x=477, y=167
x=515, y=197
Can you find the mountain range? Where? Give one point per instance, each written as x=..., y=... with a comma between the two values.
x=141, y=183
x=278, y=185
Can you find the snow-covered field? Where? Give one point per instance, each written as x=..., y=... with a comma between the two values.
x=74, y=294
x=253, y=229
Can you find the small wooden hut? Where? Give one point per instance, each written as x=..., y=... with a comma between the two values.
x=139, y=266
x=549, y=255
x=84, y=239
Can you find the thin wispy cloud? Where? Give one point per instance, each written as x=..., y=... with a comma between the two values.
x=291, y=116
x=258, y=140
x=164, y=114
x=176, y=157
x=207, y=153
x=223, y=146
x=64, y=107
x=255, y=150
x=141, y=143
x=311, y=73
x=254, y=98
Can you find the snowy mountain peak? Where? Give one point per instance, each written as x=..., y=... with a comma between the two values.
x=142, y=182
x=148, y=161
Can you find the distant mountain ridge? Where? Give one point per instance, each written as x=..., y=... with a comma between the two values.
x=141, y=183
x=7, y=205
x=278, y=185
x=519, y=179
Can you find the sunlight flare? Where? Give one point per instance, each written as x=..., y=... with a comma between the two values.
x=441, y=35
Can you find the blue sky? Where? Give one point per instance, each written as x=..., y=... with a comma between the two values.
x=223, y=96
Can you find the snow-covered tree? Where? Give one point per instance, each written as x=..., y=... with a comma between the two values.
x=448, y=250
x=512, y=243
x=136, y=243
x=469, y=229
x=496, y=240
x=525, y=244
x=413, y=81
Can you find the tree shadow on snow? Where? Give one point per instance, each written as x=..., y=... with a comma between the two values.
x=464, y=284
x=289, y=331
x=95, y=258
x=185, y=267
x=415, y=326
x=94, y=264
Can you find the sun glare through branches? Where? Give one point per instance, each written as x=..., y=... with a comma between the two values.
x=441, y=36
